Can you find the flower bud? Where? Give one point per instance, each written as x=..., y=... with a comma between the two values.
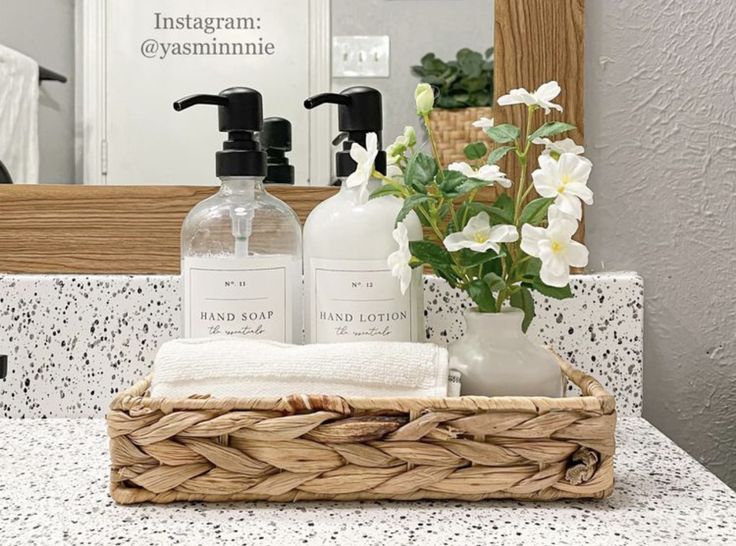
x=410, y=135
x=424, y=97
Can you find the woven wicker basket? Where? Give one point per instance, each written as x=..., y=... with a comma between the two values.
x=453, y=130
x=334, y=448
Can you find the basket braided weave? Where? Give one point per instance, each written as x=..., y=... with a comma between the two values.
x=453, y=130
x=334, y=448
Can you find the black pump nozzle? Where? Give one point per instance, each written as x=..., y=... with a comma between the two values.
x=276, y=140
x=322, y=98
x=191, y=100
x=360, y=112
x=240, y=114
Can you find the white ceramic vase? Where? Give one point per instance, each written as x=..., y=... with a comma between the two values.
x=497, y=359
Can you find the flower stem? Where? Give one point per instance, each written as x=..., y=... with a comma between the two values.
x=435, y=150
x=432, y=224
x=521, y=194
x=470, y=199
x=380, y=176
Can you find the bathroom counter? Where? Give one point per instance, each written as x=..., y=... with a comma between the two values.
x=54, y=484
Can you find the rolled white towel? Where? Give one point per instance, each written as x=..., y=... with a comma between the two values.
x=231, y=366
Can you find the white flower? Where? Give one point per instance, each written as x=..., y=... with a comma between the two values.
x=402, y=142
x=554, y=246
x=554, y=213
x=479, y=236
x=424, y=98
x=566, y=180
x=483, y=123
x=542, y=97
x=410, y=136
x=365, y=158
x=398, y=261
x=565, y=146
x=487, y=173
x=392, y=166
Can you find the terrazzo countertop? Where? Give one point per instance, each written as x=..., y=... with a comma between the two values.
x=53, y=490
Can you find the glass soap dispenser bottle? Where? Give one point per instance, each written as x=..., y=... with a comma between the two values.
x=350, y=292
x=241, y=248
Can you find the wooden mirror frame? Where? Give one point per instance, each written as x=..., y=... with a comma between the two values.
x=135, y=229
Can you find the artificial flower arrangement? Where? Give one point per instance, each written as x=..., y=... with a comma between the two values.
x=497, y=253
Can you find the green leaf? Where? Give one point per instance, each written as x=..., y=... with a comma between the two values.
x=447, y=273
x=522, y=299
x=551, y=128
x=558, y=293
x=443, y=210
x=474, y=84
x=410, y=203
x=388, y=188
x=470, y=258
x=475, y=150
x=536, y=211
x=493, y=266
x=497, y=154
x=420, y=171
x=451, y=181
x=481, y=294
x=503, y=133
x=494, y=282
x=502, y=211
x=497, y=215
x=470, y=62
x=531, y=268
x=430, y=253
x=471, y=184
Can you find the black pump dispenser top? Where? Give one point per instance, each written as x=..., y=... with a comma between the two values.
x=240, y=115
x=276, y=140
x=359, y=112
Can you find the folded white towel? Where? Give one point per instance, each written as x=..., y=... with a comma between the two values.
x=233, y=366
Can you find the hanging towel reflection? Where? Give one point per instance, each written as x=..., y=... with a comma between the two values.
x=19, y=115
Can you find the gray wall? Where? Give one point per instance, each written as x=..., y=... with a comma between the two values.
x=661, y=130
x=415, y=27
x=44, y=30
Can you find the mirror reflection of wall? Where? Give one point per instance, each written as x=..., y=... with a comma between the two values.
x=414, y=28
x=112, y=122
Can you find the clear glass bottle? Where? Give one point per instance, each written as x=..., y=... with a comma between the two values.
x=241, y=265
x=241, y=248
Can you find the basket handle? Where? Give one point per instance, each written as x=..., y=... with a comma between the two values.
x=588, y=385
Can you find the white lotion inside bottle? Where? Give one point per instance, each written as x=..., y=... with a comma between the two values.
x=350, y=292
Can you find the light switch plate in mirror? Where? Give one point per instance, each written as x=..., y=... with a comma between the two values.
x=361, y=57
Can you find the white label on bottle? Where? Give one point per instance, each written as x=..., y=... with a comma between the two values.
x=357, y=300
x=238, y=296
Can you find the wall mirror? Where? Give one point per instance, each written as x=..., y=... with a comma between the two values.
x=132, y=167
x=134, y=58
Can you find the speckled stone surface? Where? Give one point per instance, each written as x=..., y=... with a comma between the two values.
x=75, y=341
x=55, y=476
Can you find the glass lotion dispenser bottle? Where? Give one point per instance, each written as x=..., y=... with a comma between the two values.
x=349, y=290
x=240, y=248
